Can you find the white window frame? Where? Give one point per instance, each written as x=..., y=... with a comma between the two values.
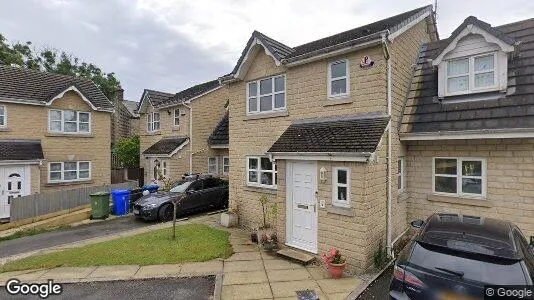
x=62, y=171
x=336, y=184
x=62, y=120
x=3, y=125
x=164, y=165
x=258, y=183
x=226, y=165
x=151, y=123
x=459, y=177
x=347, y=81
x=176, y=117
x=400, y=173
x=471, y=74
x=272, y=94
x=216, y=165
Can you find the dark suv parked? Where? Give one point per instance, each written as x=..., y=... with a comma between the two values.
x=200, y=192
x=455, y=256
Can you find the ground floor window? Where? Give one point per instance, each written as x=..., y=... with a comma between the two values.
x=226, y=165
x=212, y=165
x=341, y=187
x=69, y=171
x=261, y=171
x=459, y=176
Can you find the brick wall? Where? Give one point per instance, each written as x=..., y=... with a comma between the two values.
x=510, y=179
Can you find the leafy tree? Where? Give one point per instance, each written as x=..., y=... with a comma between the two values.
x=127, y=152
x=54, y=61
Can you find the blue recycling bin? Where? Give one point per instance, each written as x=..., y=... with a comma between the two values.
x=152, y=188
x=121, y=202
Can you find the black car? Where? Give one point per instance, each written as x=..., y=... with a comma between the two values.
x=454, y=256
x=199, y=192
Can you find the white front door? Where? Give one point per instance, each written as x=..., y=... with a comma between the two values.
x=12, y=185
x=302, y=205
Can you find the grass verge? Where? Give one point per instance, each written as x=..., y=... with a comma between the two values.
x=194, y=242
x=30, y=232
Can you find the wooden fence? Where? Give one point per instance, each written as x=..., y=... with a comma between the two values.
x=45, y=203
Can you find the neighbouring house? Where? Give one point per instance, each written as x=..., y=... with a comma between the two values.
x=125, y=119
x=312, y=127
x=468, y=125
x=176, y=128
x=54, y=134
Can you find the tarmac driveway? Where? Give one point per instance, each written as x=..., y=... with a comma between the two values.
x=173, y=288
x=69, y=235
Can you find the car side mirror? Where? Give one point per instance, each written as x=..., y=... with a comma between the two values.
x=417, y=223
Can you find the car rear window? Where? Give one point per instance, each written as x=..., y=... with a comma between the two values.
x=489, y=271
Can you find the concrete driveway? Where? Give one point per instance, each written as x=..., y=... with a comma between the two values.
x=171, y=288
x=69, y=235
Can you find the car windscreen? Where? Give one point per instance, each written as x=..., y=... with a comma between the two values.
x=180, y=187
x=489, y=271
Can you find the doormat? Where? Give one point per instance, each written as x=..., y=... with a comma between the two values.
x=307, y=295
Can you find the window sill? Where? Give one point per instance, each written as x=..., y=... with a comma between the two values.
x=77, y=135
x=176, y=128
x=69, y=183
x=338, y=101
x=338, y=210
x=152, y=133
x=5, y=129
x=460, y=200
x=264, y=190
x=276, y=114
x=402, y=195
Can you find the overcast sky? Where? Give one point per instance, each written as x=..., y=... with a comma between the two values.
x=169, y=45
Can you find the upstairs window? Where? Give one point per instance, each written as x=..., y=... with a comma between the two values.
x=338, y=79
x=69, y=121
x=266, y=95
x=471, y=74
x=3, y=116
x=153, y=122
x=177, y=117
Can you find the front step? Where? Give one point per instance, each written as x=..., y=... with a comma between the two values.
x=296, y=256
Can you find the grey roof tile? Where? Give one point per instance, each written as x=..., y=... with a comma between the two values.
x=187, y=94
x=21, y=150
x=350, y=134
x=165, y=146
x=220, y=136
x=497, y=111
x=34, y=86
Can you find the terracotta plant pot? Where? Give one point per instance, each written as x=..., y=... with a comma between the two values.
x=336, y=270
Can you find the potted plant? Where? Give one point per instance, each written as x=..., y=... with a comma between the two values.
x=230, y=218
x=335, y=262
x=254, y=235
x=269, y=241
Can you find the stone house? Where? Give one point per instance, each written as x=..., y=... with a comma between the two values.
x=468, y=125
x=184, y=133
x=314, y=127
x=54, y=134
x=125, y=119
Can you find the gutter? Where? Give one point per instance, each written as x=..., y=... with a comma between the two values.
x=389, y=215
x=190, y=137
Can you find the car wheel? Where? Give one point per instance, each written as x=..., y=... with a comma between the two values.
x=165, y=212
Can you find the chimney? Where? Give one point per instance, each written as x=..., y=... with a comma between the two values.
x=119, y=94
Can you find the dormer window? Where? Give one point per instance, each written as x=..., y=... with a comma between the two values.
x=475, y=60
x=471, y=74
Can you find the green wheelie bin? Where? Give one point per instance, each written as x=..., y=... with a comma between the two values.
x=99, y=205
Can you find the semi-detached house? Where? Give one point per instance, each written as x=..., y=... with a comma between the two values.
x=314, y=127
x=54, y=134
x=184, y=133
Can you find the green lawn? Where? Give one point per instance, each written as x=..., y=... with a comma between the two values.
x=194, y=242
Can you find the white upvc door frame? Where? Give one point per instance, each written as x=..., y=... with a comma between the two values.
x=290, y=210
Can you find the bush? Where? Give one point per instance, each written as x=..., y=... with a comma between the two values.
x=127, y=152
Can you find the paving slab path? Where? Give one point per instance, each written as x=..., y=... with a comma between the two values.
x=249, y=273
